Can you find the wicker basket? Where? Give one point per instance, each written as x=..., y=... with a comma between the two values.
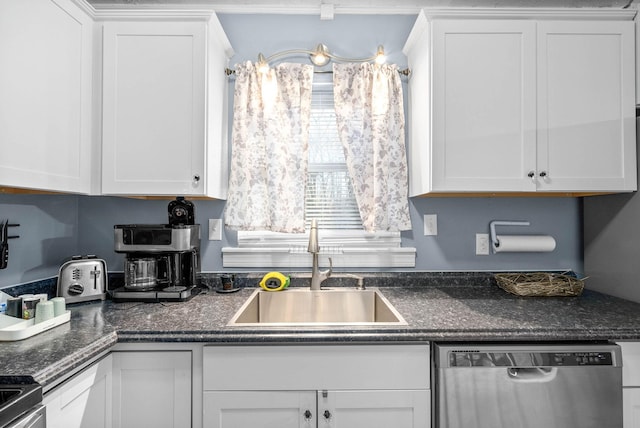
x=540, y=284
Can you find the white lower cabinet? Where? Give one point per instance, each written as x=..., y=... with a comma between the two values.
x=126, y=389
x=316, y=386
x=282, y=409
x=300, y=409
x=84, y=401
x=631, y=407
x=190, y=385
x=383, y=408
x=631, y=384
x=152, y=389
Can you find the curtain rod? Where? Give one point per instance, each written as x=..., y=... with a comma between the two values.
x=320, y=57
x=403, y=72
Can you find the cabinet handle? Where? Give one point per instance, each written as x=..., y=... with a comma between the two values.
x=532, y=175
x=543, y=174
x=327, y=414
x=196, y=178
x=308, y=414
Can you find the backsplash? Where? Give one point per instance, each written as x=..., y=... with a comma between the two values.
x=56, y=227
x=371, y=279
x=299, y=279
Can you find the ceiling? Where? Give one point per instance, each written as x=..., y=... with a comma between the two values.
x=352, y=6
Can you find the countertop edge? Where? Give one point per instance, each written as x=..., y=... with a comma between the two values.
x=62, y=368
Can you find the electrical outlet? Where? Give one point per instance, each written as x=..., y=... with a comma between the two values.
x=215, y=229
x=482, y=244
x=430, y=224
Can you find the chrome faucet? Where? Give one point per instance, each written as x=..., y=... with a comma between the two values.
x=317, y=276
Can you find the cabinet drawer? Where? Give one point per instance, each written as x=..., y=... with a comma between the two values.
x=630, y=363
x=316, y=367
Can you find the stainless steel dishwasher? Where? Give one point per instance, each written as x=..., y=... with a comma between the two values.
x=528, y=386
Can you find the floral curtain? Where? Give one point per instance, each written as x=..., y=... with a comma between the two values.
x=269, y=148
x=370, y=118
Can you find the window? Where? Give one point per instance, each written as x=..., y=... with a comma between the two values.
x=329, y=194
x=330, y=199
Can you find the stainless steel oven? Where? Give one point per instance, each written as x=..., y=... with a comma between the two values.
x=533, y=386
x=34, y=418
x=21, y=406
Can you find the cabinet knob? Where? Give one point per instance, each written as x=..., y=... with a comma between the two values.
x=327, y=414
x=532, y=175
x=543, y=174
x=196, y=178
x=308, y=414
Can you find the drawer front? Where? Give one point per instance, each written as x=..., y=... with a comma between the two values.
x=302, y=367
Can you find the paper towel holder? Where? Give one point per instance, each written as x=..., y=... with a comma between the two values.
x=495, y=243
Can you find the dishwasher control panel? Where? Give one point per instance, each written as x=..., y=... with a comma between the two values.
x=582, y=359
x=477, y=358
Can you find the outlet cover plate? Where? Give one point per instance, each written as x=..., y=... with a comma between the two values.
x=482, y=244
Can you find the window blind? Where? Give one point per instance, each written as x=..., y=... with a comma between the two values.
x=329, y=193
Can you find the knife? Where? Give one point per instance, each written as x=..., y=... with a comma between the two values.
x=4, y=245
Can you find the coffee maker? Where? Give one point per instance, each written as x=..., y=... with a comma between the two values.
x=162, y=260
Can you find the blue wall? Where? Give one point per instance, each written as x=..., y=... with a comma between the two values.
x=55, y=227
x=49, y=230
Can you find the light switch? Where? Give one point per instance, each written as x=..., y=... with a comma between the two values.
x=430, y=224
x=215, y=229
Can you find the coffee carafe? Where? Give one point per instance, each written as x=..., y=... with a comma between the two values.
x=147, y=271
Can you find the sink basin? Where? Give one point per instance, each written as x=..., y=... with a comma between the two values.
x=302, y=306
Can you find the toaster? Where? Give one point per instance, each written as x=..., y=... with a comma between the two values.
x=82, y=278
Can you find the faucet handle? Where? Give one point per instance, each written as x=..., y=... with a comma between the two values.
x=327, y=273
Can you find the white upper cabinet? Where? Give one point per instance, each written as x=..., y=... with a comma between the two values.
x=483, y=105
x=523, y=103
x=46, y=96
x=164, y=108
x=586, y=106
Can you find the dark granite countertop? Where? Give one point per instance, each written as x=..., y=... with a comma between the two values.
x=433, y=313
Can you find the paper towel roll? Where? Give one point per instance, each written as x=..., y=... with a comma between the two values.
x=524, y=243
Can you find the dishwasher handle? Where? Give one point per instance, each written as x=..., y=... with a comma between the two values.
x=532, y=374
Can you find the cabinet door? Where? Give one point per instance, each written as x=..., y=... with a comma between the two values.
x=84, y=401
x=586, y=106
x=154, y=108
x=374, y=409
x=631, y=407
x=46, y=95
x=265, y=409
x=484, y=136
x=152, y=389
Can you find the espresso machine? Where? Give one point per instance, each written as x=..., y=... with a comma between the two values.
x=162, y=260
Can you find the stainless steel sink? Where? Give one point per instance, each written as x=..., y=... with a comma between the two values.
x=302, y=306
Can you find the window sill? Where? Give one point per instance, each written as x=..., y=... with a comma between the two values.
x=274, y=257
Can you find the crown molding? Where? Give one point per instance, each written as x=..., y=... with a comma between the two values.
x=85, y=6
x=163, y=14
x=594, y=14
x=121, y=7
x=200, y=9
